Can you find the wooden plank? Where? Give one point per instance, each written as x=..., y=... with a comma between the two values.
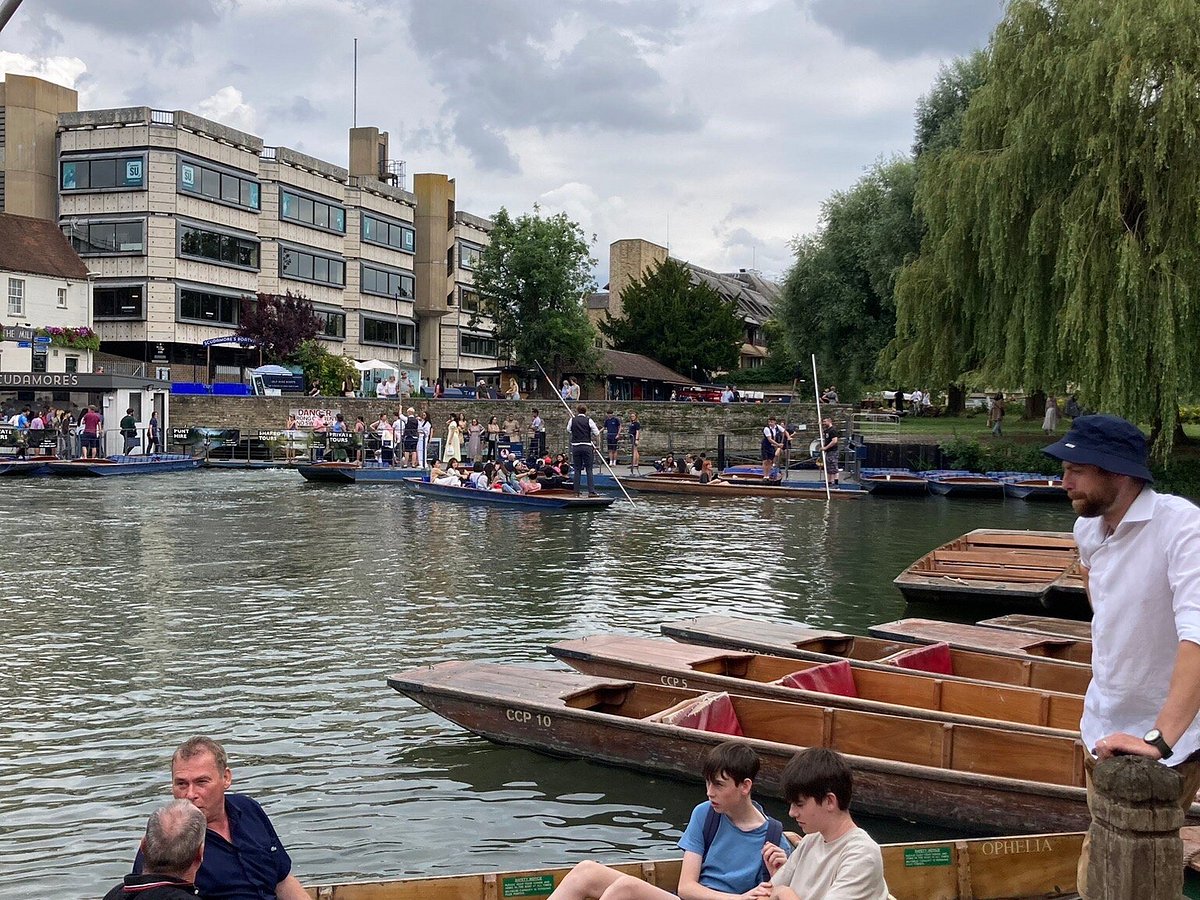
x=1070, y=628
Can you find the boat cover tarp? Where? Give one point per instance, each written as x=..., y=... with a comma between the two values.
x=829, y=678
x=713, y=712
x=935, y=659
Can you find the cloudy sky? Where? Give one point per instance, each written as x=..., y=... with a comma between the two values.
x=716, y=127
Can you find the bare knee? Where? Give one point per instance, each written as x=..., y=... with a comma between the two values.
x=626, y=887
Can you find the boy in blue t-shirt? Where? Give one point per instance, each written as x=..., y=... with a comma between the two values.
x=721, y=863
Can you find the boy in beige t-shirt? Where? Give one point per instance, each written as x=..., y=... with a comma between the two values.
x=836, y=860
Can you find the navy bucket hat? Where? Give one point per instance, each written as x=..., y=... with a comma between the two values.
x=1107, y=442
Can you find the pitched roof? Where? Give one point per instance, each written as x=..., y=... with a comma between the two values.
x=597, y=300
x=755, y=296
x=37, y=247
x=620, y=364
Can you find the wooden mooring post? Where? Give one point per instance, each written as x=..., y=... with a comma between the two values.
x=1136, y=852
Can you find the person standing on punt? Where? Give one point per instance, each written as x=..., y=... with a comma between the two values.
x=829, y=451
x=723, y=847
x=770, y=447
x=583, y=432
x=1139, y=553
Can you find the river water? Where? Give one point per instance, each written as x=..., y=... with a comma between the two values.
x=267, y=612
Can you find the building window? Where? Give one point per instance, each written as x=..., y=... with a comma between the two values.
x=311, y=212
x=333, y=324
x=300, y=265
x=121, y=302
x=121, y=173
x=385, y=282
x=16, y=297
x=468, y=255
x=230, y=188
x=209, y=308
x=215, y=247
x=477, y=345
x=71, y=365
x=62, y=298
x=388, y=234
x=39, y=362
x=107, y=238
x=384, y=332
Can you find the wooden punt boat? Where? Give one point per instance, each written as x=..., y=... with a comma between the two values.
x=895, y=692
x=1065, y=628
x=996, y=566
x=125, y=465
x=963, y=776
x=541, y=501
x=1029, y=866
x=21, y=468
x=893, y=482
x=356, y=473
x=653, y=484
x=965, y=486
x=987, y=640
x=1035, y=488
x=801, y=642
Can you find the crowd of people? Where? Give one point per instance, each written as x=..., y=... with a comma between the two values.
x=76, y=433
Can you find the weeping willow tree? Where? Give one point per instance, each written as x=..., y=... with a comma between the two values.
x=1063, y=239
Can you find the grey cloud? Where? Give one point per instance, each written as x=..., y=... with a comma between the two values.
x=294, y=110
x=896, y=30
x=131, y=17
x=492, y=61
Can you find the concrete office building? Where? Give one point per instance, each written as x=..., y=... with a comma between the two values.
x=29, y=110
x=180, y=218
x=755, y=297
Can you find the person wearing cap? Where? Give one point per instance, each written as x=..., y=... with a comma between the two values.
x=1139, y=553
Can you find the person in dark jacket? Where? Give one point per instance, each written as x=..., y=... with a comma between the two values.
x=172, y=849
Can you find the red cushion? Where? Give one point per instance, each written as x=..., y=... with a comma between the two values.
x=830, y=678
x=935, y=659
x=712, y=712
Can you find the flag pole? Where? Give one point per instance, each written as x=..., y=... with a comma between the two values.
x=820, y=431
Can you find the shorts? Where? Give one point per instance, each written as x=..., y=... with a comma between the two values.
x=612, y=444
x=90, y=441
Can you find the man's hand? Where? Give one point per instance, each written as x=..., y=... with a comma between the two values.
x=773, y=857
x=761, y=892
x=1121, y=744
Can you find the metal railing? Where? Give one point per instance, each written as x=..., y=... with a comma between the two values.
x=162, y=117
x=876, y=423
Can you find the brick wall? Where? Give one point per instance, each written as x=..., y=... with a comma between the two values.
x=679, y=427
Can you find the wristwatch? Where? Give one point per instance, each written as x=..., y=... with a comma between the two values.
x=1154, y=738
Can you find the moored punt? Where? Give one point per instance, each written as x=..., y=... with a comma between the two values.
x=541, y=500
x=894, y=692
x=124, y=465
x=800, y=642
x=994, y=566
x=962, y=776
x=987, y=640
x=893, y=481
x=1065, y=628
x=1028, y=866
x=655, y=484
x=1035, y=488
x=36, y=465
x=355, y=473
x=965, y=486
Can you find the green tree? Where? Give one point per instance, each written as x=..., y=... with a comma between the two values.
x=940, y=112
x=534, y=275
x=323, y=368
x=837, y=297
x=686, y=326
x=1062, y=229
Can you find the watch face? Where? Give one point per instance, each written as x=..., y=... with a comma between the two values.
x=1152, y=735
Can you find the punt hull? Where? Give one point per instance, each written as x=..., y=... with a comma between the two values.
x=1030, y=866
x=26, y=468
x=540, y=721
x=351, y=473
x=996, y=641
x=966, y=486
x=781, y=639
x=729, y=491
x=898, y=692
x=1041, y=490
x=1048, y=625
x=541, y=501
x=123, y=465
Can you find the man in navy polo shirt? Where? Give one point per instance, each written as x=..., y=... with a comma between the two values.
x=243, y=856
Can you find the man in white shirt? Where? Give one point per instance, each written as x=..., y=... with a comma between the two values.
x=1140, y=557
x=835, y=858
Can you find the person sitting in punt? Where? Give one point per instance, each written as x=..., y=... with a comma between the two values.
x=835, y=858
x=685, y=465
x=481, y=475
x=449, y=476
x=724, y=846
x=504, y=479
x=706, y=474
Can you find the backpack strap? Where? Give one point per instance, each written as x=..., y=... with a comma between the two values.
x=774, y=836
x=712, y=822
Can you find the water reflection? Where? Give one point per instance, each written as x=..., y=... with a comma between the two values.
x=269, y=612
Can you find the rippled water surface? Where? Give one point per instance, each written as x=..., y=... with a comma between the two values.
x=267, y=612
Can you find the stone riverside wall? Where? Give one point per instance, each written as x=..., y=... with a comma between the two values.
x=675, y=427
